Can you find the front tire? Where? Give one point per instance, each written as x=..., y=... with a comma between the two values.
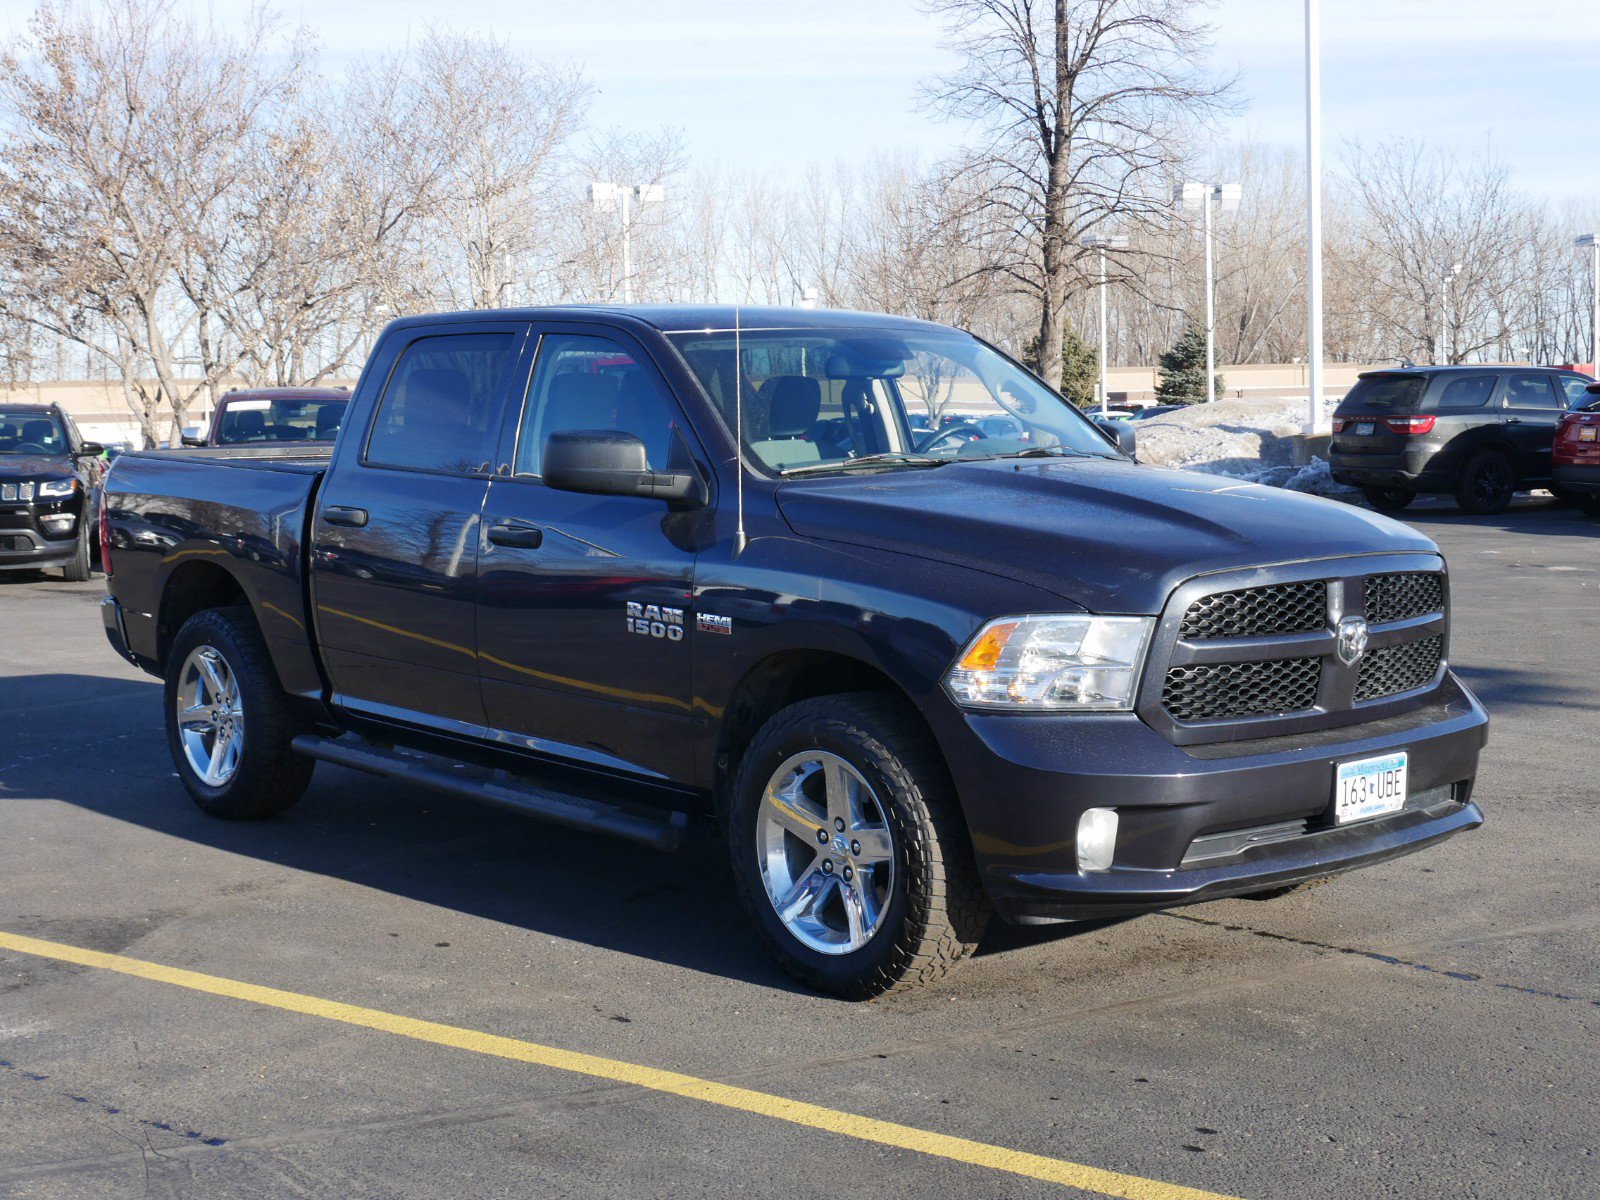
x=1388, y=500
x=849, y=848
x=1488, y=481
x=228, y=723
x=77, y=568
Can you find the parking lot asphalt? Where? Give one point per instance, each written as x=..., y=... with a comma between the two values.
x=1425, y=1028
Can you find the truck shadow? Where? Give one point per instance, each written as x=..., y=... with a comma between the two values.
x=108, y=755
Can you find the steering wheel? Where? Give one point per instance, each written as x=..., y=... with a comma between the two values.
x=29, y=448
x=956, y=435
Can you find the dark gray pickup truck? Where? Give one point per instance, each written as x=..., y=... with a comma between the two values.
x=653, y=570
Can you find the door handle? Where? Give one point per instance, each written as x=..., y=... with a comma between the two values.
x=525, y=537
x=339, y=514
x=1513, y=420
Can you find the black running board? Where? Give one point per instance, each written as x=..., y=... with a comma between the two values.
x=663, y=831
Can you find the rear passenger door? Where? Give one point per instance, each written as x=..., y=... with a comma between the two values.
x=1530, y=407
x=394, y=561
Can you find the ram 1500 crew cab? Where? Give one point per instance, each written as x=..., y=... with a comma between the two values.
x=647, y=569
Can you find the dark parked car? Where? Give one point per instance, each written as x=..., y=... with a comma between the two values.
x=49, y=480
x=1479, y=433
x=1576, y=454
x=270, y=415
x=913, y=689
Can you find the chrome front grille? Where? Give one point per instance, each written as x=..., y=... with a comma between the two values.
x=16, y=491
x=1261, y=659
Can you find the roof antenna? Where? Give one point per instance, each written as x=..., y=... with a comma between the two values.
x=738, y=435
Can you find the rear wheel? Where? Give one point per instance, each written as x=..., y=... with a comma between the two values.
x=1587, y=503
x=1388, y=499
x=1487, y=483
x=849, y=848
x=228, y=723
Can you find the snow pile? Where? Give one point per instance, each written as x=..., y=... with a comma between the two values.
x=1255, y=440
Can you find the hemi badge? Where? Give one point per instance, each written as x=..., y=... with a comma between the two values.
x=706, y=623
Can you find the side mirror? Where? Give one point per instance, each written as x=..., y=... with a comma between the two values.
x=609, y=462
x=193, y=439
x=89, y=450
x=1120, y=434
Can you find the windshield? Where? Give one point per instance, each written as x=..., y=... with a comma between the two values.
x=821, y=399
x=280, y=420
x=31, y=433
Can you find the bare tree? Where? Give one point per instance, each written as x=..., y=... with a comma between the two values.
x=1083, y=106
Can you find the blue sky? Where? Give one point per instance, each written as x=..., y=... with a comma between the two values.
x=777, y=86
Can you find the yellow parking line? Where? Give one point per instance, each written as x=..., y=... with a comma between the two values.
x=867, y=1129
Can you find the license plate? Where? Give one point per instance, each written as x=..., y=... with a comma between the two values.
x=1369, y=787
x=1586, y=433
x=1364, y=429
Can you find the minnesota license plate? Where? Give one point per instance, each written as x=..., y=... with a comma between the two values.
x=1586, y=433
x=1369, y=787
x=1364, y=429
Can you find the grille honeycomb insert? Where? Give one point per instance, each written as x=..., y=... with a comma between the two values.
x=1396, y=669
x=1258, y=612
x=1220, y=691
x=1401, y=597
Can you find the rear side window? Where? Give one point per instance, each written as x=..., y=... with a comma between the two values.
x=1395, y=393
x=1470, y=391
x=441, y=409
x=1531, y=390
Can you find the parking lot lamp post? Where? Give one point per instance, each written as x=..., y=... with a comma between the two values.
x=1095, y=241
x=1221, y=197
x=1314, y=212
x=1443, y=356
x=611, y=197
x=1593, y=243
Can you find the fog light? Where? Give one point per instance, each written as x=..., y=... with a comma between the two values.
x=1097, y=839
x=57, y=522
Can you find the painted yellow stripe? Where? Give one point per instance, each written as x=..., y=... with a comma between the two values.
x=814, y=1116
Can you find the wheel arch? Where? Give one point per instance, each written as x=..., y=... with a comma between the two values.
x=194, y=587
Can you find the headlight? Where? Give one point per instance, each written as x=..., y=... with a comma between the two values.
x=1052, y=664
x=54, y=489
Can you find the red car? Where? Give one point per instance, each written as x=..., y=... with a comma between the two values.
x=271, y=415
x=1576, y=454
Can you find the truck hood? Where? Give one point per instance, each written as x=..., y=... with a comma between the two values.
x=1111, y=536
x=34, y=466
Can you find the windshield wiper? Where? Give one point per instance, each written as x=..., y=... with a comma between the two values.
x=893, y=458
x=1049, y=452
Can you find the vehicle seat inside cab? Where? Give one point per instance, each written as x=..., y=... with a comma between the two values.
x=793, y=404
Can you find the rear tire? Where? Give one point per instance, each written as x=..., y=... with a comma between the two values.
x=1488, y=481
x=853, y=783
x=1587, y=503
x=1388, y=500
x=230, y=741
x=78, y=568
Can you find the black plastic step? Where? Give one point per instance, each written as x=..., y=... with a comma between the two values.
x=658, y=830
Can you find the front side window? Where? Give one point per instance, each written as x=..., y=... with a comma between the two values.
x=31, y=433
x=1531, y=391
x=1471, y=391
x=821, y=399
x=441, y=409
x=584, y=382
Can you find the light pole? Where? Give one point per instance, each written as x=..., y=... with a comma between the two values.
x=610, y=197
x=1095, y=241
x=1443, y=357
x=1593, y=243
x=1223, y=197
x=1314, y=211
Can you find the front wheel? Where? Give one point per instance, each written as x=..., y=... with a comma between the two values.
x=77, y=568
x=1488, y=481
x=1388, y=500
x=849, y=848
x=228, y=723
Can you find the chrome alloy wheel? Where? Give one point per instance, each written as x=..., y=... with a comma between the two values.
x=825, y=852
x=210, y=716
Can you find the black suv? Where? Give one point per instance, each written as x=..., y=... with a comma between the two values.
x=1481, y=433
x=49, y=478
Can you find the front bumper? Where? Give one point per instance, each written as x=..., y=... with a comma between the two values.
x=1025, y=780
x=1582, y=478
x=39, y=533
x=27, y=550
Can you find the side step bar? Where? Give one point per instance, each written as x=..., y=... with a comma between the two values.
x=664, y=832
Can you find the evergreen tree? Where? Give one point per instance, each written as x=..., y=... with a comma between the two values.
x=1080, y=366
x=1183, y=370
